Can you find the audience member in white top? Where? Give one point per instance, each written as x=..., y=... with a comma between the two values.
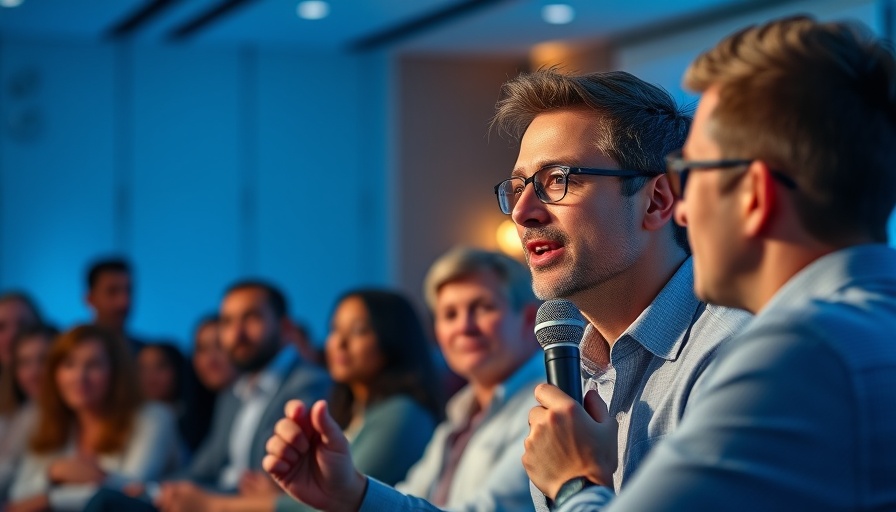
x=17, y=313
x=92, y=430
x=19, y=389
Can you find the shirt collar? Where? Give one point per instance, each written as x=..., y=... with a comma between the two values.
x=268, y=380
x=662, y=326
x=459, y=407
x=828, y=274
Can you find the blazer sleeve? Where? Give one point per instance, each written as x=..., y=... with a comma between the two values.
x=305, y=382
x=212, y=455
x=772, y=413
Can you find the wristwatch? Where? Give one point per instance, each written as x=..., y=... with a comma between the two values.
x=569, y=489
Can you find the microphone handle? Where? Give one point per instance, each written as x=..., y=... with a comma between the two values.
x=563, y=365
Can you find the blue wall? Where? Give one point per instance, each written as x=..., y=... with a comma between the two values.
x=207, y=164
x=202, y=164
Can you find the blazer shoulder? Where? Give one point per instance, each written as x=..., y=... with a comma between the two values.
x=306, y=381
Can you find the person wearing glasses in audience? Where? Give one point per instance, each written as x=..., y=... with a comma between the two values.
x=593, y=207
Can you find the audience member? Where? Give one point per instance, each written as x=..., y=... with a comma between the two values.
x=166, y=377
x=214, y=372
x=786, y=183
x=253, y=324
x=17, y=313
x=109, y=294
x=92, y=429
x=484, y=314
x=161, y=371
x=213, y=366
x=19, y=389
x=385, y=396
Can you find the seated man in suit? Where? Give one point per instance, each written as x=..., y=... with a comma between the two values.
x=253, y=324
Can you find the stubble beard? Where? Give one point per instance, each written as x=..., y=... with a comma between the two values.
x=569, y=278
x=569, y=281
x=266, y=352
x=574, y=276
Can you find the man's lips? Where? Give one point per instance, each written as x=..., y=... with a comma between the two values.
x=543, y=252
x=540, y=247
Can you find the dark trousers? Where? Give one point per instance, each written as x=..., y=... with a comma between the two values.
x=107, y=500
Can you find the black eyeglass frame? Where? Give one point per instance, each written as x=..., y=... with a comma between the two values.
x=677, y=169
x=542, y=194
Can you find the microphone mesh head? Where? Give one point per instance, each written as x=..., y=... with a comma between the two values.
x=558, y=321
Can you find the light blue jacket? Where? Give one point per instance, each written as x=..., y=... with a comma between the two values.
x=798, y=412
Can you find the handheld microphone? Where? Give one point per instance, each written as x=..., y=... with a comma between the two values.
x=559, y=327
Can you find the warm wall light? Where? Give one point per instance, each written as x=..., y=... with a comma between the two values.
x=558, y=14
x=549, y=54
x=313, y=10
x=509, y=240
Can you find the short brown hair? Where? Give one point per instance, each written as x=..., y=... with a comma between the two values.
x=640, y=122
x=56, y=421
x=816, y=101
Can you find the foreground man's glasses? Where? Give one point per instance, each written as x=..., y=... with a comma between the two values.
x=677, y=169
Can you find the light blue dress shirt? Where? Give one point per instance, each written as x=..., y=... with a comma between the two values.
x=255, y=392
x=648, y=375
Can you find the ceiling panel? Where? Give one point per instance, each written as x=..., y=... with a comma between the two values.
x=496, y=26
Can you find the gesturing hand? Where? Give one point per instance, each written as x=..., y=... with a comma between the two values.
x=75, y=470
x=257, y=483
x=567, y=441
x=308, y=456
x=183, y=496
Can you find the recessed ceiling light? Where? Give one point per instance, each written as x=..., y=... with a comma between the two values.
x=558, y=14
x=11, y=3
x=313, y=10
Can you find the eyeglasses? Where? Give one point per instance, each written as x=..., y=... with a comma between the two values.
x=677, y=169
x=551, y=183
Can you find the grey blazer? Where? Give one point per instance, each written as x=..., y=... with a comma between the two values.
x=304, y=381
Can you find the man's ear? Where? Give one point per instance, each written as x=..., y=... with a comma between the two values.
x=758, y=199
x=660, y=203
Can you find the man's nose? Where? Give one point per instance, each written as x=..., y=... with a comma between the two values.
x=528, y=208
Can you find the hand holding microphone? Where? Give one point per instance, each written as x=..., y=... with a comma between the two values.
x=567, y=444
